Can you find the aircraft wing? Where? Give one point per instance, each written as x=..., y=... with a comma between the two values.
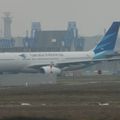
x=84, y=64
x=73, y=65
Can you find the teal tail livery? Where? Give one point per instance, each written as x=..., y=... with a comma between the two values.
x=107, y=44
x=56, y=62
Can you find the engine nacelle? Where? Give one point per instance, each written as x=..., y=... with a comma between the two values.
x=50, y=70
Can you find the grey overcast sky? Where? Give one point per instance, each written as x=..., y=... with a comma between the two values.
x=91, y=16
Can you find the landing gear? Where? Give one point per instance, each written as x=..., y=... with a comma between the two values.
x=99, y=72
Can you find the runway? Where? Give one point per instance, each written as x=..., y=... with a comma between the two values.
x=88, y=98
x=22, y=79
x=38, y=79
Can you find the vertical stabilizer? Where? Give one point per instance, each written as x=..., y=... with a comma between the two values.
x=108, y=41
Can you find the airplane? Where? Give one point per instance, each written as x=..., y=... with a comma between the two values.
x=56, y=62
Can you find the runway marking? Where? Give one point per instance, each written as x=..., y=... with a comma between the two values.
x=25, y=104
x=81, y=83
x=103, y=104
x=85, y=83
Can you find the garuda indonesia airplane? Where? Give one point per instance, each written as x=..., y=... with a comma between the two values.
x=56, y=62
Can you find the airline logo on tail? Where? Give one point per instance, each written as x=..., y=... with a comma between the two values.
x=107, y=44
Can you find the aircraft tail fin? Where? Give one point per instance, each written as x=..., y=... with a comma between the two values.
x=109, y=40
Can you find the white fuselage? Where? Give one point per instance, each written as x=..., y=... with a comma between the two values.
x=21, y=62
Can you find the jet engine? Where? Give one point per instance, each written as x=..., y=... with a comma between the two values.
x=50, y=70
